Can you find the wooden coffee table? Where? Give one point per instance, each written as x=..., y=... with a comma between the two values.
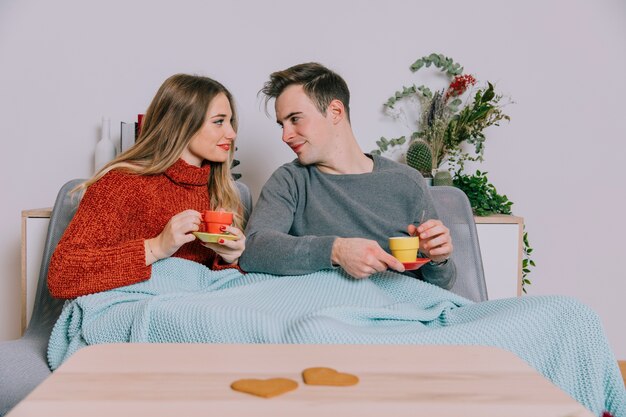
x=184, y=380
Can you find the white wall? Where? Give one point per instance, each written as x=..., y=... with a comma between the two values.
x=65, y=64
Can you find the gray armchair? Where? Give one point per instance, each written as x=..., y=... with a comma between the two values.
x=23, y=363
x=455, y=212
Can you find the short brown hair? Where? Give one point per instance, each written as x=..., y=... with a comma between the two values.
x=320, y=84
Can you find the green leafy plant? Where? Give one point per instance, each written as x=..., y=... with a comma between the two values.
x=444, y=120
x=485, y=200
x=483, y=196
x=527, y=262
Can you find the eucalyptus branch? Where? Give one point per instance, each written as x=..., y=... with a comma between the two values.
x=440, y=61
x=399, y=95
x=408, y=92
x=385, y=144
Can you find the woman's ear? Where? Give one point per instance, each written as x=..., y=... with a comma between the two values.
x=336, y=111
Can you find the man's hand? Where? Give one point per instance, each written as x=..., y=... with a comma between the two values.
x=435, y=240
x=362, y=257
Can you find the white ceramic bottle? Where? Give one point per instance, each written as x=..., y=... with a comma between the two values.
x=105, y=148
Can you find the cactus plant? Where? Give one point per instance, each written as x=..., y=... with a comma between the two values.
x=442, y=177
x=419, y=157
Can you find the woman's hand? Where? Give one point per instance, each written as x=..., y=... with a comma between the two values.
x=229, y=250
x=175, y=234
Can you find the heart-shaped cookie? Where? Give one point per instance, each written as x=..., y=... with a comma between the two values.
x=266, y=388
x=328, y=376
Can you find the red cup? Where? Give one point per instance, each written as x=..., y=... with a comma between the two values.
x=214, y=220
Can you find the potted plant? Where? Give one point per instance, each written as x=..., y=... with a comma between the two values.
x=446, y=121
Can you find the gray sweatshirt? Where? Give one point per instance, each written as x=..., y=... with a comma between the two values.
x=301, y=211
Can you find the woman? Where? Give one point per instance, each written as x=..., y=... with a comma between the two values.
x=143, y=206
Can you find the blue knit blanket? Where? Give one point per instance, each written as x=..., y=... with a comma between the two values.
x=185, y=302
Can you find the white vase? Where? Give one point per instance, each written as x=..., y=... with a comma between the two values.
x=105, y=148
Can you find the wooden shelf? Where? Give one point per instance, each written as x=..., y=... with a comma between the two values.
x=40, y=212
x=498, y=219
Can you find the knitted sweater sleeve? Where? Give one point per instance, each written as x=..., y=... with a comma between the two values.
x=270, y=248
x=103, y=246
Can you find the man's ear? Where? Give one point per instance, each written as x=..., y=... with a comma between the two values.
x=336, y=111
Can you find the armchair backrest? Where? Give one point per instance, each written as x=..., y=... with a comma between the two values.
x=47, y=309
x=455, y=212
x=246, y=198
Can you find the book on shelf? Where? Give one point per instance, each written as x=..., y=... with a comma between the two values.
x=139, y=122
x=129, y=132
x=127, y=136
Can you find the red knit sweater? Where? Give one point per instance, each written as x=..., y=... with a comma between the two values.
x=103, y=246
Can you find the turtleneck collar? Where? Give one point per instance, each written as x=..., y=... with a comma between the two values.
x=183, y=173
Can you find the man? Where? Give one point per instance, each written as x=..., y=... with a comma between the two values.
x=336, y=206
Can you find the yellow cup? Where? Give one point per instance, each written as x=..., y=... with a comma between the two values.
x=404, y=248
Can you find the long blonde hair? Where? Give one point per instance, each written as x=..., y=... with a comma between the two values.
x=174, y=116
